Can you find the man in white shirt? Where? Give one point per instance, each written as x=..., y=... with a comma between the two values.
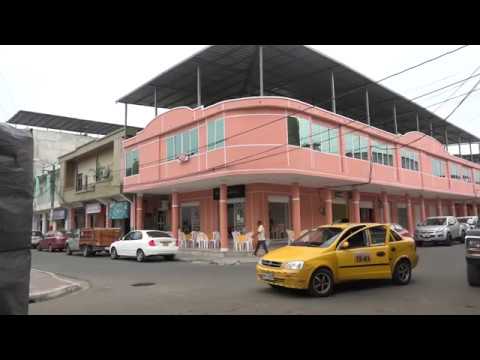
x=261, y=238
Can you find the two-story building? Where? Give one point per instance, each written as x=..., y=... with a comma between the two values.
x=91, y=183
x=296, y=149
x=53, y=136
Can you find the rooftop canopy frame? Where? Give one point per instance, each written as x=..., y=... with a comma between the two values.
x=222, y=72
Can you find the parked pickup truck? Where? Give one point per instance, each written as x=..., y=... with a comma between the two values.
x=472, y=247
x=92, y=240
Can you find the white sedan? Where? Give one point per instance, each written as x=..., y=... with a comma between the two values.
x=144, y=243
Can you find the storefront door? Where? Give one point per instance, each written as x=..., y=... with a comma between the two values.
x=190, y=218
x=236, y=217
x=340, y=212
x=279, y=217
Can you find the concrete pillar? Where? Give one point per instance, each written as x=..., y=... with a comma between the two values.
x=423, y=210
x=71, y=219
x=223, y=215
x=439, y=207
x=464, y=209
x=328, y=206
x=296, y=217
x=386, y=212
x=108, y=221
x=356, y=206
x=452, y=208
x=410, y=224
x=175, y=215
x=139, y=211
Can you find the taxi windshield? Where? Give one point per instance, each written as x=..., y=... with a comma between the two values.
x=322, y=237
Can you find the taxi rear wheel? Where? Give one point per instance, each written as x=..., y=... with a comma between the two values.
x=321, y=283
x=402, y=273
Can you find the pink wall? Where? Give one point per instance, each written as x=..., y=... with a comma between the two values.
x=241, y=115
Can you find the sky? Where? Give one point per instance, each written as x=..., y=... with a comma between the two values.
x=85, y=81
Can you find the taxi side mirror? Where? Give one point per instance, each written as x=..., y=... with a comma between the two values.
x=345, y=245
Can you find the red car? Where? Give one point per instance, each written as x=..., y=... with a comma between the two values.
x=401, y=230
x=54, y=240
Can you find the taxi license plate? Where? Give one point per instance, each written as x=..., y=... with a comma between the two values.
x=268, y=277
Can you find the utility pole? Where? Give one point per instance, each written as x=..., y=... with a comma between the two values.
x=52, y=194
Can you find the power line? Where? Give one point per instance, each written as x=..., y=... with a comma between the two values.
x=166, y=159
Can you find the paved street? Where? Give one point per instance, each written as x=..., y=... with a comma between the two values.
x=438, y=286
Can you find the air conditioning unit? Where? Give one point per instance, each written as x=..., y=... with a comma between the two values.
x=164, y=205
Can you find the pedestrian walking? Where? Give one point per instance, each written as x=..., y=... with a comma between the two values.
x=260, y=234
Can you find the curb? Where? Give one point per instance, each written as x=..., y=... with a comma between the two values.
x=220, y=262
x=56, y=292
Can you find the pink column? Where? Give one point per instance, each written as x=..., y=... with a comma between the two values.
x=139, y=211
x=423, y=211
x=410, y=225
x=464, y=209
x=222, y=204
x=439, y=207
x=356, y=206
x=386, y=212
x=175, y=217
x=296, y=219
x=452, y=208
x=475, y=209
x=108, y=221
x=328, y=206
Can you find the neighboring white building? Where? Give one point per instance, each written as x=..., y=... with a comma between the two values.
x=54, y=136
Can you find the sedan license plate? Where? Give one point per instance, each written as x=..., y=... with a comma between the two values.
x=268, y=277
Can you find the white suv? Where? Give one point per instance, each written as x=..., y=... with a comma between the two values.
x=145, y=243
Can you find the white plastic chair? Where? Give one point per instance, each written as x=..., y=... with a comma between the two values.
x=194, y=240
x=236, y=242
x=203, y=240
x=291, y=236
x=249, y=242
x=182, y=240
x=215, y=241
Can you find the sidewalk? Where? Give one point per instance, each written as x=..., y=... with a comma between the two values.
x=216, y=257
x=46, y=286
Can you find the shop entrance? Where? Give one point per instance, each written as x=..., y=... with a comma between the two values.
x=402, y=217
x=340, y=212
x=236, y=217
x=163, y=222
x=190, y=218
x=279, y=216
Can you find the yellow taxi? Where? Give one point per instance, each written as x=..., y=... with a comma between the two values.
x=337, y=253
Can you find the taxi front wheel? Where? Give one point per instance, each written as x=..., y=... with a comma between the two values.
x=321, y=283
x=402, y=273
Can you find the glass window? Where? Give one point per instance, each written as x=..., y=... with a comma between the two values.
x=132, y=165
x=158, y=234
x=194, y=141
x=304, y=132
x=322, y=237
x=377, y=235
x=394, y=236
x=409, y=159
x=216, y=134
x=324, y=139
x=293, y=131
x=358, y=240
x=356, y=146
x=170, y=148
x=182, y=143
x=382, y=153
x=477, y=177
x=438, y=167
